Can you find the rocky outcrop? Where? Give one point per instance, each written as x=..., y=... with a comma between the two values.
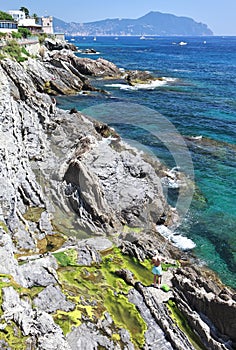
x=208, y=307
x=134, y=77
x=39, y=325
x=63, y=175
x=214, y=305
x=52, y=44
x=52, y=299
x=96, y=68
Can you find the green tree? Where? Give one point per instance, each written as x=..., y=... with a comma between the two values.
x=5, y=16
x=36, y=17
x=24, y=32
x=25, y=10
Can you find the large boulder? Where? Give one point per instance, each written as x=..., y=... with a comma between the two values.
x=52, y=44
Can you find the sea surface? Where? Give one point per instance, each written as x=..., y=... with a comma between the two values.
x=198, y=97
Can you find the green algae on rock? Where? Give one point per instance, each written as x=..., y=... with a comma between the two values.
x=125, y=315
x=67, y=258
x=97, y=289
x=33, y=214
x=50, y=243
x=10, y=332
x=182, y=323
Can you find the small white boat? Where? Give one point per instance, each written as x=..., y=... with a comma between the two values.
x=142, y=37
x=94, y=39
x=182, y=43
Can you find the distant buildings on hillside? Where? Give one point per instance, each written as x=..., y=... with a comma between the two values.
x=35, y=25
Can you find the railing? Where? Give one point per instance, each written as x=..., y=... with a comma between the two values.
x=27, y=41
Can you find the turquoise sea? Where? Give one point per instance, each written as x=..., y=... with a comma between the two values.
x=198, y=97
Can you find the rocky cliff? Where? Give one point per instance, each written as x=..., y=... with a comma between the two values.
x=78, y=211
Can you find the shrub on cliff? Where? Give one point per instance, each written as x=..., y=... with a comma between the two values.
x=14, y=50
x=42, y=38
x=25, y=33
x=2, y=35
x=16, y=35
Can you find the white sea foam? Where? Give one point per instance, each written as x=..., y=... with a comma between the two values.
x=91, y=53
x=194, y=138
x=88, y=53
x=178, y=240
x=150, y=86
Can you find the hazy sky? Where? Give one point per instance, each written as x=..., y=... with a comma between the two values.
x=219, y=15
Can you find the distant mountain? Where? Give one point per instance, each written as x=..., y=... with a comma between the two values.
x=153, y=23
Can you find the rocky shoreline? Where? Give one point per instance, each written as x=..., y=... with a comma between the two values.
x=78, y=217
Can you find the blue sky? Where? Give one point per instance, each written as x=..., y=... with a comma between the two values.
x=218, y=15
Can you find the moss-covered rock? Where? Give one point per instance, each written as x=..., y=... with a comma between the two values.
x=33, y=214
x=10, y=332
x=50, y=243
x=182, y=323
x=97, y=289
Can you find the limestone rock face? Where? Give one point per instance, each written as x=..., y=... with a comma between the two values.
x=52, y=299
x=199, y=296
x=207, y=302
x=37, y=324
x=49, y=179
x=110, y=185
x=40, y=272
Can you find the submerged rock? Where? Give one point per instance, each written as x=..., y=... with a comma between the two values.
x=134, y=77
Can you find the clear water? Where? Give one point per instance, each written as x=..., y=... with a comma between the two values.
x=200, y=101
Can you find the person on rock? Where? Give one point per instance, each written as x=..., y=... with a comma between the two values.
x=157, y=271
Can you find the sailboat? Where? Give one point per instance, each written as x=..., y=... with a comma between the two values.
x=94, y=39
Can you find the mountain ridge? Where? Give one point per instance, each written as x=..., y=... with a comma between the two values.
x=153, y=23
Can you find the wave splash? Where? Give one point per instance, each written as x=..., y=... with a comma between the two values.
x=176, y=239
x=149, y=86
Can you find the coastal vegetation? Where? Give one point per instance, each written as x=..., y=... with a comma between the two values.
x=5, y=16
x=15, y=51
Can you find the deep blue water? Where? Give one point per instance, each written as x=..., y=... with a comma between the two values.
x=200, y=101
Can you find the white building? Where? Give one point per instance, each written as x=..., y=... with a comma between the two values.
x=30, y=23
x=8, y=26
x=17, y=15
